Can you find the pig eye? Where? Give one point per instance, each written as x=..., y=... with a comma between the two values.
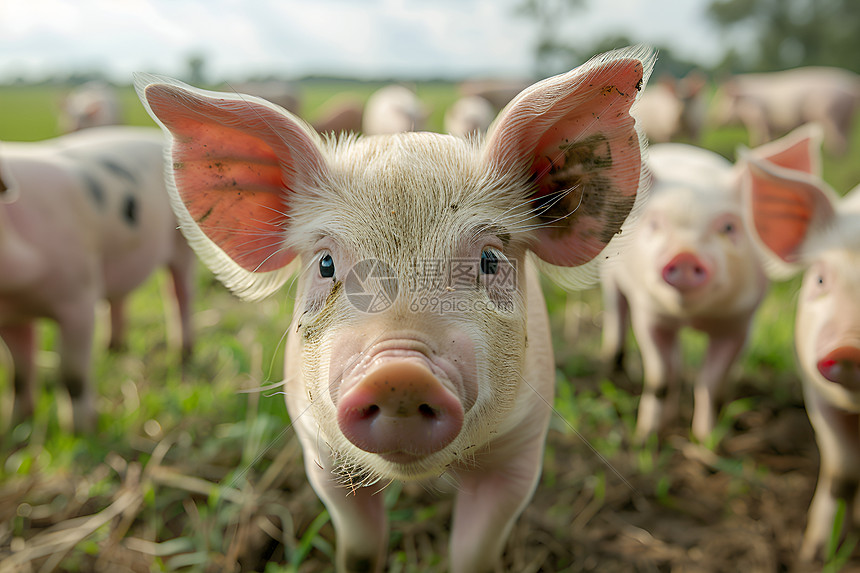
x=489, y=262
x=326, y=266
x=728, y=228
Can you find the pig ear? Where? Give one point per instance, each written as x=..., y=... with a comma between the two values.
x=800, y=150
x=575, y=138
x=790, y=213
x=233, y=163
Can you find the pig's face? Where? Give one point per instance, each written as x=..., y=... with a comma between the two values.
x=409, y=337
x=695, y=250
x=440, y=325
x=828, y=327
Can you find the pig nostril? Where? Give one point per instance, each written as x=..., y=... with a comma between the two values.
x=427, y=411
x=370, y=412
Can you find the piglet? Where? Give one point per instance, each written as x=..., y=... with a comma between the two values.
x=392, y=109
x=803, y=224
x=692, y=265
x=88, y=219
x=419, y=345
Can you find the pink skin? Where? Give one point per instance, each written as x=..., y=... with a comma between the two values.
x=686, y=272
x=406, y=392
x=68, y=241
x=819, y=232
x=396, y=407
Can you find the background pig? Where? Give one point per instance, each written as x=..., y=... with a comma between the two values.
x=89, y=219
x=341, y=113
x=771, y=104
x=672, y=108
x=690, y=264
x=802, y=223
x=93, y=104
x=393, y=109
x=407, y=390
x=469, y=115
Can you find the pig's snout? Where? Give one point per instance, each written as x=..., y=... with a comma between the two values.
x=686, y=271
x=842, y=366
x=401, y=411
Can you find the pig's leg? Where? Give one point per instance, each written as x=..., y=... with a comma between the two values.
x=21, y=341
x=358, y=514
x=117, y=324
x=181, y=269
x=661, y=361
x=76, y=331
x=616, y=318
x=723, y=350
x=490, y=498
x=836, y=432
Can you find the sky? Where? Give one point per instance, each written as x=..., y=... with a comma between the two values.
x=291, y=38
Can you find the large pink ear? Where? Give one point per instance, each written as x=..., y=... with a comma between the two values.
x=799, y=150
x=234, y=161
x=574, y=135
x=788, y=208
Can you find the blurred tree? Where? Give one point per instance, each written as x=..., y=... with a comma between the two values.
x=552, y=53
x=197, y=69
x=791, y=33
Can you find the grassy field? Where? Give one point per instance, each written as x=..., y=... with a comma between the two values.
x=196, y=468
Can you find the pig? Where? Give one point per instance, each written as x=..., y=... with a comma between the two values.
x=392, y=109
x=279, y=92
x=343, y=113
x=92, y=104
x=497, y=91
x=691, y=264
x=672, y=108
x=802, y=223
x=89, y=218
x=469, y=115
x=771, y=104
x=419, y=347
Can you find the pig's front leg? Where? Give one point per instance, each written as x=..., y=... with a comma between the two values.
x=616, y=316
x=77, y=323
x=117, y=324
x=20, y=339
x=723, y=350
x=492, y=496
x=661, y=362
x=838, y=437
x=182, y=266
x=358, y=515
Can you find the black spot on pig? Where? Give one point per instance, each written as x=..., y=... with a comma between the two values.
x=118, y=170
x=95, y=189
x=130, y=210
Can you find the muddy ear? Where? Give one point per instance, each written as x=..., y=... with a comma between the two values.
x=233, y=163
x=789, y=211
x=575, y=138
x=800, y=150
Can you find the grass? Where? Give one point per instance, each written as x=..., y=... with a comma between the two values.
x=193, y=468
